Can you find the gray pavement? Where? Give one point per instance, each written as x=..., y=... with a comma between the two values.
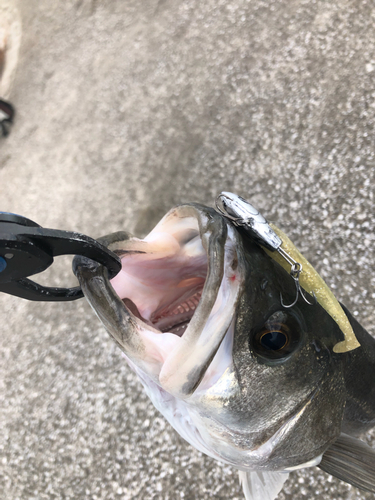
x=125, y=109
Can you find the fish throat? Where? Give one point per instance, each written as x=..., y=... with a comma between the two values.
x=162, y=282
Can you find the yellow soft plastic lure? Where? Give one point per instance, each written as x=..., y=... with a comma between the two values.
x=279, y=247
x=313, y=283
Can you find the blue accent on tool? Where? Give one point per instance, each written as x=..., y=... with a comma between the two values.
x=3, y=264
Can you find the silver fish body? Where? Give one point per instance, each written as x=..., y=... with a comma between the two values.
x=196, y=310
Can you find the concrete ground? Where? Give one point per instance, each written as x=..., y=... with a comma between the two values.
x=125, y=109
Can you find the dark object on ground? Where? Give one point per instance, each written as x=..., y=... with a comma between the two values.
x=7, y=113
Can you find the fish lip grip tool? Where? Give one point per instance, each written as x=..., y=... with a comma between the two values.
x=26, y=249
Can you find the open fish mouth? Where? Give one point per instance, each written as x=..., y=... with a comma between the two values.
x=174, y=300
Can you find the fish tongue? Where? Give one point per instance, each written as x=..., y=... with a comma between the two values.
x=168, y=323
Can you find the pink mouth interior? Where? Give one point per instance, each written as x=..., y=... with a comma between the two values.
x=175, y=317
x=163, y=276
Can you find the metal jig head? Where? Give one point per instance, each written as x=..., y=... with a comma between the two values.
x=241, y=213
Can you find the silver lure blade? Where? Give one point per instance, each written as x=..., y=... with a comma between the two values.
x=242, y=213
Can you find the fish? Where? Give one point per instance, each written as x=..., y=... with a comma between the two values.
x=197, y=312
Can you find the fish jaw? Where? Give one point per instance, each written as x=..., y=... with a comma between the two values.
x=172, y=303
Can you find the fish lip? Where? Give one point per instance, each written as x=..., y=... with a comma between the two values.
x=129, y=331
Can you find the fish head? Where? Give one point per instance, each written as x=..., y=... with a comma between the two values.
x=196, y=310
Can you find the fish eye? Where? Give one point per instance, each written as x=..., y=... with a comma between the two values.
x=274, y=340
x=277, y=338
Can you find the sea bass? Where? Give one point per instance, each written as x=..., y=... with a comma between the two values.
x=198, y=310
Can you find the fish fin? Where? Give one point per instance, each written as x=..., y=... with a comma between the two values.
x=258, y=485
x=352, y=461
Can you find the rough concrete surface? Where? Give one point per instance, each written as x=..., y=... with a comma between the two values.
x=126, y=108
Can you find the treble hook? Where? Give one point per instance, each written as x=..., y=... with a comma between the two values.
x=241, y=213
x=294, y=273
